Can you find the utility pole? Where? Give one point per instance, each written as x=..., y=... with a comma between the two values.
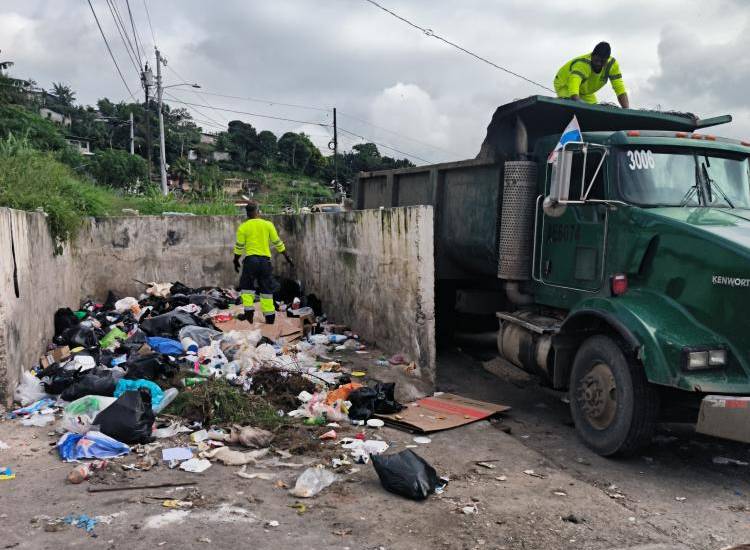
x=334, y=144
x=147, y=79
x=132, y=135
x=162, y=152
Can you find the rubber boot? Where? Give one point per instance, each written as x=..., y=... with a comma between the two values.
x=249, y=314
x=271, y=319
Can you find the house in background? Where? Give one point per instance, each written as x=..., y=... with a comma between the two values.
x=208, y=139
x=54, y=116
x=81, y=145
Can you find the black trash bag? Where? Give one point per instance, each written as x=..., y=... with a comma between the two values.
x=378, y=399
x=363, y=403
x=129, y=419
x=80, y=336
x=65, y=319
x=148, y=367
x=56, y=379
x=406, y=474
x=109, y=303
x=314, y=302
x=90, y=384
x=168, y=325
x=178, y=288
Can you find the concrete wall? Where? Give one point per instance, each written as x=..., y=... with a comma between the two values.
x=372, y=269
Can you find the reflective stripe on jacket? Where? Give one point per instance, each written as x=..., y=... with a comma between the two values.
x=255, y=237
x=577, y=78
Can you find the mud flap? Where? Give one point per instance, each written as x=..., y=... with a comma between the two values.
x=726, y=417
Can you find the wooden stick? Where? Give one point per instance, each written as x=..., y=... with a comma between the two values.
x=135, y=487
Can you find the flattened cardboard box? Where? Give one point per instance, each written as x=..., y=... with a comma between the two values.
x=442, y=412
x=725, y=416
x=287, y=328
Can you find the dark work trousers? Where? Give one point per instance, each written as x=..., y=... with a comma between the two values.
x=257, y=278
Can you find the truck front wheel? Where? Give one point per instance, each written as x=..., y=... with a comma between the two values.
x=613, y=405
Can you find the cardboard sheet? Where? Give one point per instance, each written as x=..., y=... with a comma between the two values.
x=286, y=329
x=441, y=412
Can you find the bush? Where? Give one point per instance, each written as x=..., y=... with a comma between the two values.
x=42, y=134
x=120, y=170
x=31, y=179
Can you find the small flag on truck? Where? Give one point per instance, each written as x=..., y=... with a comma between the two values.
x=572, y=132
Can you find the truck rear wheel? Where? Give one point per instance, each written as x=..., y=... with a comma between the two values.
x=613, y=405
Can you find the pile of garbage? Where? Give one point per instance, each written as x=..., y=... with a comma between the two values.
x=179, y=370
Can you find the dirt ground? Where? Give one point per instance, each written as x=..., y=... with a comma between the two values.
x=671, y=497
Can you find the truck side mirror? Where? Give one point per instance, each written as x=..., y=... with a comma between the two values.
x=554, y=204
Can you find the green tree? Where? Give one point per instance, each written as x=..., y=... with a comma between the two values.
x=268, y=147
x=65, y=94
x=120, y=170
x=180, y=169
x=244, y=138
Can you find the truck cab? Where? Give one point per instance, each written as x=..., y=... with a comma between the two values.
x=622, y=260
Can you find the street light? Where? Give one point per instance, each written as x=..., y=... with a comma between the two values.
x=160, y=89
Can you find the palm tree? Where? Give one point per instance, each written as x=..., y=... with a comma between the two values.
x=64, y=93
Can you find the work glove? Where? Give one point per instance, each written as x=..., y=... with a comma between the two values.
x=236, y=266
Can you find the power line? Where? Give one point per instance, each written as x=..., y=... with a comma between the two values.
x=135, y=32
x=216, y=122
x=197, y=94
x=148, y=18
x=260, y=115
x=384, y=145
x=270, y=102
x=430, y=33
x=363, y=121
x=128, y=46
x=106, y=43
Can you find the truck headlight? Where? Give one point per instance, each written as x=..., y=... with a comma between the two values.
x=698, y=359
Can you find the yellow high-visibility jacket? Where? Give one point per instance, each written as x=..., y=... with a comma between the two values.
x=255, y=236
x=577, y=78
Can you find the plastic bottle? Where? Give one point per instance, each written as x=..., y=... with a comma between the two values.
x=189, y=345
x=169, y=396
x=187, y=382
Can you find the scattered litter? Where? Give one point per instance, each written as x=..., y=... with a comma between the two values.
x=331, y=434
x=272, y=523
x=195, y=465
x=406, y=474
x=255, y=475
x=234, y=458
x=312, y=481
x=375, y=423
x=470, y=509
x=532, y=473
x=501, y=478
x=487, y=465
x=680, y=499
x=176, y=453
x=6, y=474
x=421, y=440
x=73, y=446
x=175, y=503
x=82, y=522
x=3, y=446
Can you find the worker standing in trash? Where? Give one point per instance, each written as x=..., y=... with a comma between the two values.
x=582, y=76
x=254, y=239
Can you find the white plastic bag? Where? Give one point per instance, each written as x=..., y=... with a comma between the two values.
x=79, y=415
x=29, y=389
x=312, y=481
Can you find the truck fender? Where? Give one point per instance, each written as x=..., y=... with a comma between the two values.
x=578, y=326
x=653, y=329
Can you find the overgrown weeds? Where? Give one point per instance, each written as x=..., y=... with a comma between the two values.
x=216, y=402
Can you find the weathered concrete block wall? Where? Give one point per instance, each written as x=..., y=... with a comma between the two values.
x=372, y=269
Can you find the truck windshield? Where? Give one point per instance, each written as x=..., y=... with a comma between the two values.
x=664, y=177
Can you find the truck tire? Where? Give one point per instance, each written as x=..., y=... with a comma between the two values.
x=614, y=407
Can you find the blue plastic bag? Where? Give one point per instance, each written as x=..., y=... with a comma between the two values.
x=124, y=385
x=72, y=446
x=167, y=346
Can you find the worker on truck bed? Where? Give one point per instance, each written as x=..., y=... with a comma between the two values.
x=254, y=238
x=582, y=76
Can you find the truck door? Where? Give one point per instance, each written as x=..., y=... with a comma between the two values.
x=573, y=244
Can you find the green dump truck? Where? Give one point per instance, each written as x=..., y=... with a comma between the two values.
x=619, y=272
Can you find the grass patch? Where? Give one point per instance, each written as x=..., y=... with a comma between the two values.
x=216, y=402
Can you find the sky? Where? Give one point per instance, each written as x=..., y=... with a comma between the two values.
x=390, y=83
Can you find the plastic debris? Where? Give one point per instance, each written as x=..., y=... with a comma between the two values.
x=72, y=446
x=312, y=481
x=195, y=465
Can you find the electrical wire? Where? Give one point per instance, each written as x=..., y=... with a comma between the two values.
x=198, y=95
x=307, y=122
x=106, y=43
x=126, y=42
x=270, y=102
x=148, y=18
x=429, y=32
x=135, y=32
x=363, y=121
x=383, y=145
x=176, y=98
